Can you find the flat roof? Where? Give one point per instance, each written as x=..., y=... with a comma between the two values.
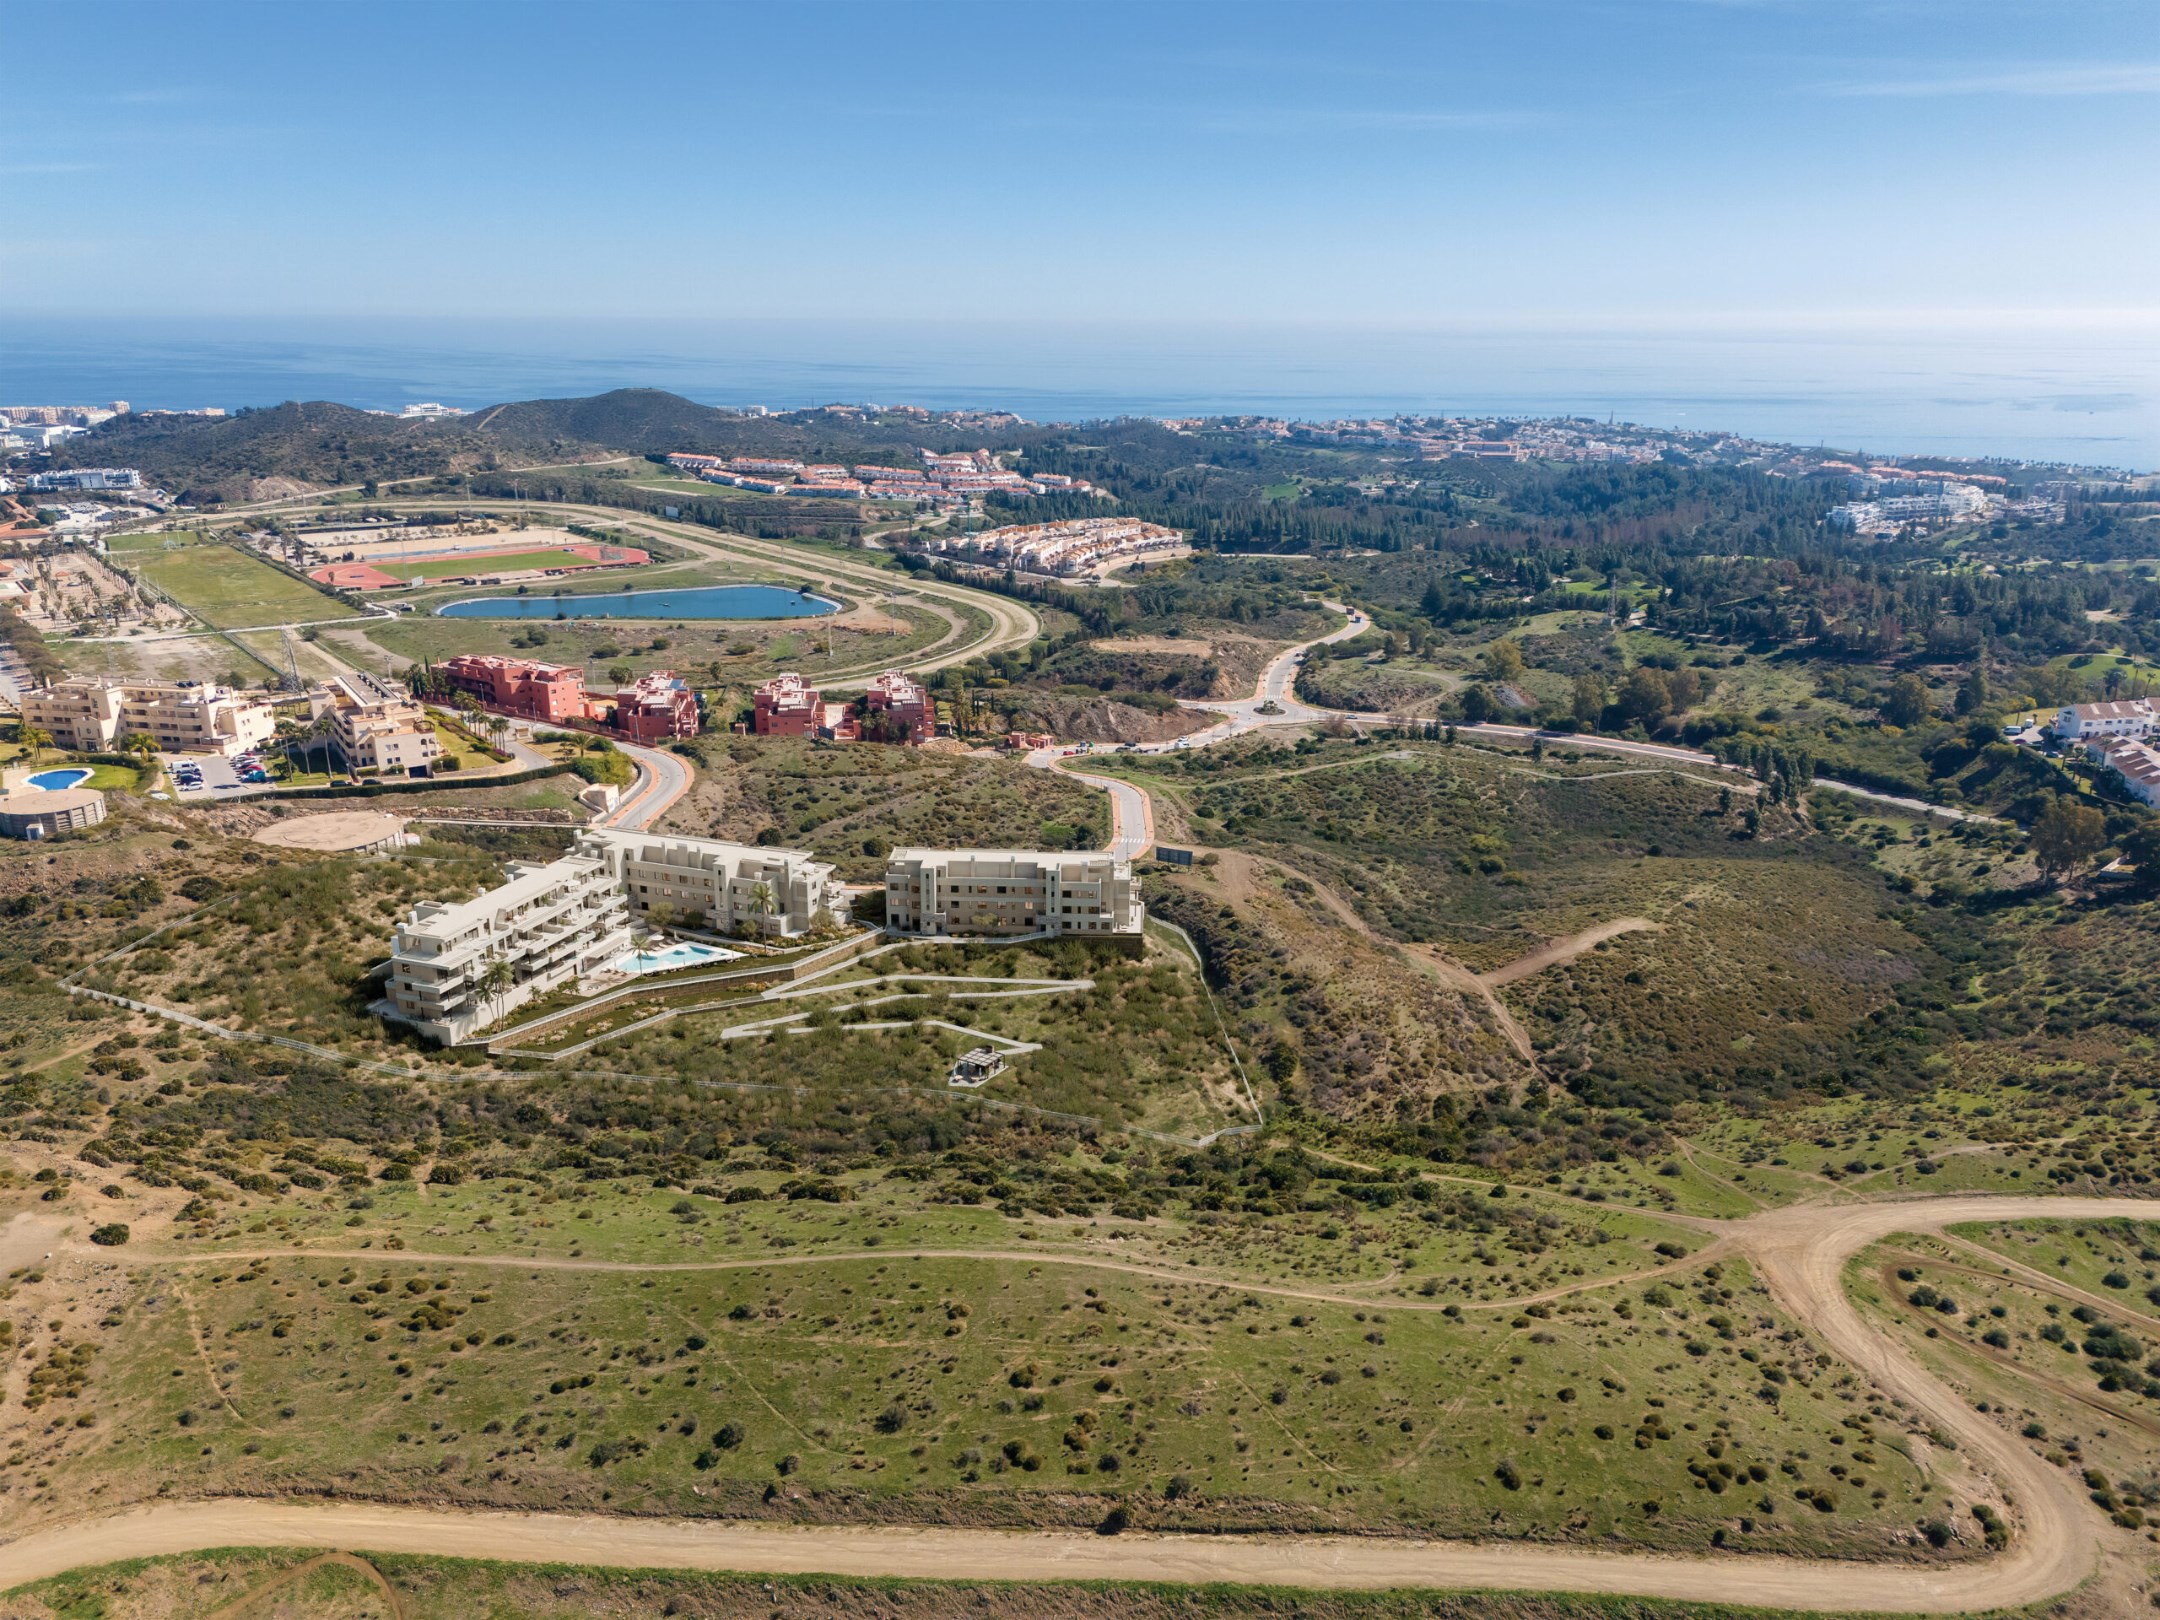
x=334, y=830
x=41, y=801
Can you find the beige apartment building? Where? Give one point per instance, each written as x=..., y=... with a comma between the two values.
x=92, y=713
x=377, y=725
x=720, y=887
x=571, y=920
x=989, y=892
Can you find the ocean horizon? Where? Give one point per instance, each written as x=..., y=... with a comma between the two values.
x=2086, y=396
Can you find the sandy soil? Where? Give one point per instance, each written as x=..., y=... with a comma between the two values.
x=1564, y=950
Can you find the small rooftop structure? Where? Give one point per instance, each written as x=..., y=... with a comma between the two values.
x=336, y=832
x=976, y=1068
x=46, y=812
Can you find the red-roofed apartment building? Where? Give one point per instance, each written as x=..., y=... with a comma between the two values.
x=531, y=691
x=655, y=707
x=784, y=707
x=896, y=709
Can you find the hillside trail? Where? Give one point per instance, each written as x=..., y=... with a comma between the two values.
x=1799, y=1252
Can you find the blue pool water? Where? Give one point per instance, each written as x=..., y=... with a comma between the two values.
x=681, y=955
x=54, y=781
x=692, y=602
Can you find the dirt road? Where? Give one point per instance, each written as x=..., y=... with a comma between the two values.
x=1563, y=950
x=1799, y=1252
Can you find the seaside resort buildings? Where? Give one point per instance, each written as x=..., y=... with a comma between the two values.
x=942, y=480
x=91, y=713
x=570, y=920
x=1062, y=549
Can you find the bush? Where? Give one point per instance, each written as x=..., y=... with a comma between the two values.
x=111, y=1235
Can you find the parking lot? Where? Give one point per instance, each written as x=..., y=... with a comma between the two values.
x=211, y=776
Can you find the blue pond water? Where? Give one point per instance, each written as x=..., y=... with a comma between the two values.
x=692, y=602
x=54, y=781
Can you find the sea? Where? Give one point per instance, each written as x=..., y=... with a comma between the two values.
x=2085, y=393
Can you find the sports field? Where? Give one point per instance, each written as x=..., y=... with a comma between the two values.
x=228, y=589
x=485, y=562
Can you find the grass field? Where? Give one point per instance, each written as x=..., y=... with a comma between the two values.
x=507, y=563
x=228, y=589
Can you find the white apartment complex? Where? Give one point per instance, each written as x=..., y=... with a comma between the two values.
x=720, y=887
x=570, y=920
x=2136, y=765
x=971, y=892
x=91, y=713
x=552, y=924
x=377, y=725
x=2130, y=717
x=1063, y=548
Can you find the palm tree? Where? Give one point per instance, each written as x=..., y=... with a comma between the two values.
x=642, y=940
x=495, y=983
x=35, y=738
x=144, y=747
x=761, y=901
x=499, y=728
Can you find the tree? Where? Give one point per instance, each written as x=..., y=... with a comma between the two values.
x=1644, y=695
x=144, y=747
x=762, y=905
x=1907, y=702
x=499, y=728
x=1588, y=702
x=2066, y=836
x=642, y=940
x=1972, y=692
x=2141, y=852
x=495, y=983
x=36, y=739
x=1477, y=705
x=1503, y=661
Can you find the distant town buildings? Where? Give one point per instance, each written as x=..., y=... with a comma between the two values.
x=974, y=893
x=92, y=713
x=1080, y=546
x=86, y=478
x=378, y=727
x=941, y=480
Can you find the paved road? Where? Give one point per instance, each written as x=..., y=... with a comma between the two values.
x=662, y=779
x=1800, y=1253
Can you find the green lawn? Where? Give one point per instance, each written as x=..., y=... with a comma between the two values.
x=228, y=589
x=514, y=562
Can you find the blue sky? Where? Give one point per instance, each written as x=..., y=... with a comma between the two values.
x=1502, y=161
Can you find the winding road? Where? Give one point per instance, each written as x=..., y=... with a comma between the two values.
x=1800, y=1252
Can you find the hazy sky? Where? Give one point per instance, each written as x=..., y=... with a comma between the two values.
x=1511, y=160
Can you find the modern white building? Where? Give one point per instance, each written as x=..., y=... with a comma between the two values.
x=90, y=713
x=87, y=478
x=571, y=920
x=720, y=887
x=553, y=924
x=990, y=892
x=2130, y=717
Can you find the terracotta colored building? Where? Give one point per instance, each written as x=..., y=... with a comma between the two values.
x=554, y=693
x=785, y=707
x=655, y=707
x=896, y=709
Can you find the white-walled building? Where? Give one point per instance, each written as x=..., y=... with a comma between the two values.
x=2136, y=765
x=93, y=713
x=571, y=920
x=974, y=892
x=553, y=924
x=2130, y=717
x=720, y=887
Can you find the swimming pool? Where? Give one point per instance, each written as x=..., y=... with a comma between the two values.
x=682, y=954
x=691, y=602
x=54, y=781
